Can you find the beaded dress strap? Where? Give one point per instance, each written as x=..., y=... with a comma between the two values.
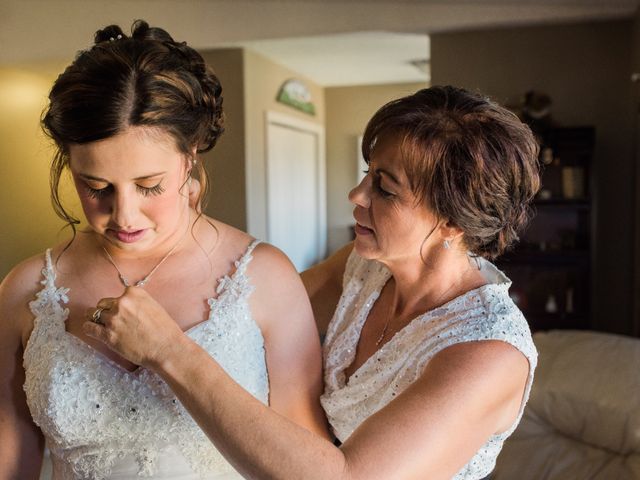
x=238, y=281
x=48, y=306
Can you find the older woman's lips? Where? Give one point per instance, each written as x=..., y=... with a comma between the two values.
x=361, y=230
x=128, y=236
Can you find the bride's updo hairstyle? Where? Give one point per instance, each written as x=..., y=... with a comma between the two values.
x=146, y=79
x=469, y=160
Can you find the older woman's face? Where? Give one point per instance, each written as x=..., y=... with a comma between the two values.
x=390, y=224
x=130, y=187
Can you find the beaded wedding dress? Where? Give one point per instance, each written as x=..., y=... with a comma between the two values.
x=486, y=313
x=101, y=421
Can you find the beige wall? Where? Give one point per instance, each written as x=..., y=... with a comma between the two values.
x=348, y=111
x=28, y=223
x=226, y=162
x=262, y=81
x=585, y=69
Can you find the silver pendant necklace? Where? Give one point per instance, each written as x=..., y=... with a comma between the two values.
x=142, y=282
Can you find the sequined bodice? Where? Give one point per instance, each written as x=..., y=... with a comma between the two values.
x=103, y=422
x=486, y=313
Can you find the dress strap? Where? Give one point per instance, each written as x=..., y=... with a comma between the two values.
x=238, y=280
x=246, y=257
x=50, y=297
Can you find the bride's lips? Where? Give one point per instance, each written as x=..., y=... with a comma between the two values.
x=362, y=230
x=127, y=236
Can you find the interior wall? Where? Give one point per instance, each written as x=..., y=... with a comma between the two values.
x=262, y=81
x=348, y=111
x=225, y=163
x=29, y=224
x=635, y=112
x=585, y=69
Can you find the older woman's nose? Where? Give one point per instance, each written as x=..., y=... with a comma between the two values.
x=360, y=195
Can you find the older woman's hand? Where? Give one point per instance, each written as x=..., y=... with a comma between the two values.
x=135, y=326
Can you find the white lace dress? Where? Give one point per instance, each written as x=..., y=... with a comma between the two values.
x=486, y=313
x=103, y=422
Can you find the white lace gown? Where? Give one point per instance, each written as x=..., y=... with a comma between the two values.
x=486, y=313
x=102, y=422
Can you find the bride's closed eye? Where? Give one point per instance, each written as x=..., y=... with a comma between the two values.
x=98, y=193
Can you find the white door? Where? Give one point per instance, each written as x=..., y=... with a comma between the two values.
x=295, y=189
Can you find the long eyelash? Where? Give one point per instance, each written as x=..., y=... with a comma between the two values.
x=97, y=193
x=155, y=190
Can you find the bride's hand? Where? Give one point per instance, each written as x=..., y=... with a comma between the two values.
x=134, y=326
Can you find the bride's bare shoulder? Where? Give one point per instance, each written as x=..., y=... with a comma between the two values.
x=17, y=289
x=23, y=282
x=221, y=239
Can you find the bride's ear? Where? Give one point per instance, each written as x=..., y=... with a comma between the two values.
x=194, y=193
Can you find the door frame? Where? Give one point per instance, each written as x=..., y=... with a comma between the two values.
x=288, y=121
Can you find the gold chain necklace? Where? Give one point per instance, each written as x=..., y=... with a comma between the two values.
x=436, y=304
x=142, y=282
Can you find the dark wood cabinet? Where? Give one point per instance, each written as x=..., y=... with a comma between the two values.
x=551, y=267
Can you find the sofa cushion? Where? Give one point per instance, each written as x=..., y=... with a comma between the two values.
x=583, y=418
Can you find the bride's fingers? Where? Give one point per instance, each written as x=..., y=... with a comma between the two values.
x=95, y=330
x=106, y=303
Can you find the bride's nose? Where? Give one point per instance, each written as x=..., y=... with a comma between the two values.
x=124, y=208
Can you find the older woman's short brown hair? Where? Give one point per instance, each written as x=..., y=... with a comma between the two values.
x=471, y=161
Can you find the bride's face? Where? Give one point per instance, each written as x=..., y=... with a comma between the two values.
x=132, y=187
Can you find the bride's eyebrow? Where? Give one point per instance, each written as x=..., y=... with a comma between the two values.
x=98, y=179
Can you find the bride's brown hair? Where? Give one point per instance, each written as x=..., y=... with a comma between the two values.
x=146, y=79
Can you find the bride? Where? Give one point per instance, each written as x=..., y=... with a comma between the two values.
x=129, y=117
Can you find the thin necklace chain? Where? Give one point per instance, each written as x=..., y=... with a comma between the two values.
x=145, y=279
x=392, y=308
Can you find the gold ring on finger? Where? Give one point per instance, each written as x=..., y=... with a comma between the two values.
x=95, y=318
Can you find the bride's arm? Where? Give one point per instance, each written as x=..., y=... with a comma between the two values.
x=281, y=308
x=21, y=442
x=466, y=393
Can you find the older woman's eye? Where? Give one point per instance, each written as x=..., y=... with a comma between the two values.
x=378, y=188
x=146, y=191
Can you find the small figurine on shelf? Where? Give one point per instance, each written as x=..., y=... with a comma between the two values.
x=551, y=306
x=534, y=109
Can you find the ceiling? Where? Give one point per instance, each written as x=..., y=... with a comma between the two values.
x=378, y=57
x=333, y=42
x=360, y=58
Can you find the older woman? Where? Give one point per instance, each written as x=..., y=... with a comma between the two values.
x=428, y=362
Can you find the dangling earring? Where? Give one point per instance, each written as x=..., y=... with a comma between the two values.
x=447, y=244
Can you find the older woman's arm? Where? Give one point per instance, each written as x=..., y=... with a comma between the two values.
x=323, y=283
x=467, y=393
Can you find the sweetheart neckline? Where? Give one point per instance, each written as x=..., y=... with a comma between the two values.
x=222, y=287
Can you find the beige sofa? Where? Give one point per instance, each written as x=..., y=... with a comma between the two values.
x=583, y=418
